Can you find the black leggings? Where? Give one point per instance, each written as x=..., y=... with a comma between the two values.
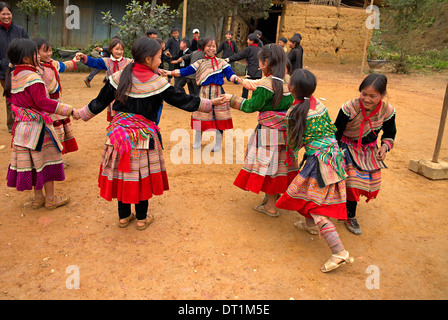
x=351, y=209
x=141, y=209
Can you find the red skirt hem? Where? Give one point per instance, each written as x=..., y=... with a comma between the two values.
x=307, y=208
x=133, y=191
x=69, y=146
x=354, y=194
x=222, y=125
x=270, y=185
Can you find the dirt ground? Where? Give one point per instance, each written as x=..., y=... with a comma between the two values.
x=207, y=243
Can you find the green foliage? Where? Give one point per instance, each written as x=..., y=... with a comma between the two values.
x=423, y=60
x=213, y=11
x=138, y=19
x=254, y=9
x=36, y=8
x=401, y=21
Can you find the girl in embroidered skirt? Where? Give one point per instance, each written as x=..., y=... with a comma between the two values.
x=49, y=70
x=132, y=168
x=267, y=166
x=209, y=76
x=114, y=63
x=318, y=191
x=359, y=123
x=36, y=160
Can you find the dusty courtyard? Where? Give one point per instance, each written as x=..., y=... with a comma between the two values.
x=207, y=242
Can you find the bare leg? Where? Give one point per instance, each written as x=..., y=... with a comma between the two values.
x=270, y=204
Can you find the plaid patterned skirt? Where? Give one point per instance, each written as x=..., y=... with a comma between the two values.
x=361, y=182
x=266, y=167
x=30, y=169
x=309, y=197
x=219, y=119
x=146, y=178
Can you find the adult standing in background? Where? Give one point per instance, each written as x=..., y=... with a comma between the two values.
x=8, y=32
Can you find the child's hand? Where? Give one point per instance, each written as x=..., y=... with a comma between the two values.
x=77, y=58
x=238, y=80
x=99, y=49
x=226, y=97
x=381, y=153
x=164, y=73
x=80, y=56
x=76, y=114
x=219, y=101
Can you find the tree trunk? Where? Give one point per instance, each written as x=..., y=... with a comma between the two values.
x=35, y=26
x=153, y=5
x=234, y=15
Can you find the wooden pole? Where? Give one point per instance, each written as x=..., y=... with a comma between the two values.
x=184, y=20
x=365, y=45
x=65, y=33
x=278, y=28
x=435, y=157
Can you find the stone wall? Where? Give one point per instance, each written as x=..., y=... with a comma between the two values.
x=329, y=34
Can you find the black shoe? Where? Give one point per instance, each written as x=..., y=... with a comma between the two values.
x=87, y=82
x=353, y=226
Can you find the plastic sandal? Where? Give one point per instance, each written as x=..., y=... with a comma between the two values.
x=146, y=221
x=262, y=209
x=53, y=205
x=302, y=226
x=330, y=265
x=38, y=204
x=127, y=221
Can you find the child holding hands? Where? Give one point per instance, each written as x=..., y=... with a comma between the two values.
x=36, y=160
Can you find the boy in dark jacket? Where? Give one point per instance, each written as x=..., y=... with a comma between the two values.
x=173, y=46
x=228, y=47
x=250, y=53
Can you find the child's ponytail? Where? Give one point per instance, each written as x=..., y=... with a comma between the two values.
x=303, y=83
x=276, y=66
x=297, y=124
x=125, y=84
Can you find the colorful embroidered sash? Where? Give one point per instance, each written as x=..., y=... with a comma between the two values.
x=124, y=133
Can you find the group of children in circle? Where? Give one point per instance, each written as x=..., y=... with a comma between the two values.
x=342, y=160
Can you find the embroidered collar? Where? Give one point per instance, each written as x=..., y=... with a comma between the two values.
x=114, y=59
x=142, y=72
x=22, y=67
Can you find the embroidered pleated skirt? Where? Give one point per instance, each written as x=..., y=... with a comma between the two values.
x=308, y=196
x=30, y=169
x=219, y=119
x=267, y=167
x=363, y=172
x=147, y=175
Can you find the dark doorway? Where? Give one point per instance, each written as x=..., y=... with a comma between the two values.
x=269, y=26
